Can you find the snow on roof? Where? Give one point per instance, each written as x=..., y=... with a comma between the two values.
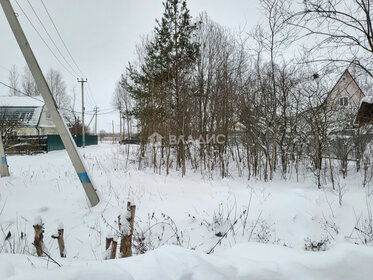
x=24, y=116
x=23, y=109
x=20, y=101
x=367, y=99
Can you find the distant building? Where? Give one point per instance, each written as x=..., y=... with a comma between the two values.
x=31, y=114
x=346, y=93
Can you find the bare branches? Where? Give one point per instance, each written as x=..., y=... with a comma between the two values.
x=342, y=27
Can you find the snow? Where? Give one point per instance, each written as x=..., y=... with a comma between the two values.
x=38, y=221
x=243, y=261
x=273, y=222
x=23, y=104
x=367, y=99
x=125, y=226
x=46, y=126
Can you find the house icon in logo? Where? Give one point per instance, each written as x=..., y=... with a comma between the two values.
x=155, y=138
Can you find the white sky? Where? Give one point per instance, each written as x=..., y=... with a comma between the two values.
x=102, y=36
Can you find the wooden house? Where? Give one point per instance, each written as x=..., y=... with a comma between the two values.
x=346, y=93
x=29, y=115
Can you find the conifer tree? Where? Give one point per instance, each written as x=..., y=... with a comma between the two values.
x=161, y=84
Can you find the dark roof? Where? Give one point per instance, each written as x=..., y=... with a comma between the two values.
x=365, y=114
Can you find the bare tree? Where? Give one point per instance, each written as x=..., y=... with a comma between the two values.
x=14, y=80
x=58, y=87
x=123, y=102
x=28, y=83
x=272, y=40
x=341, y=29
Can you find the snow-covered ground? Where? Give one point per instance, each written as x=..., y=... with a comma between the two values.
x=252, y=229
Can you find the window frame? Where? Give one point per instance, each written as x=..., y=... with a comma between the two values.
x=343, y=101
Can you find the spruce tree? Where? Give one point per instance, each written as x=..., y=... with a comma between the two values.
x=161, y=85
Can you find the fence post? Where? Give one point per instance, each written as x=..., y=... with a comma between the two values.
x=61, y=242
x=38, y=241
x=114, y=246
x=126, y=227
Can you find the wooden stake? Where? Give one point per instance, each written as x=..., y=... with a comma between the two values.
x=126, y=239
x=108, y=242
x=61, y=242
x=114, y=246
x=38, y=241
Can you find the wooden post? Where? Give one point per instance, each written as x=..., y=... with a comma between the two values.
x=38, y=241
x=126, y=228
x=61, y=242
x=108, y=242
x=114, y=246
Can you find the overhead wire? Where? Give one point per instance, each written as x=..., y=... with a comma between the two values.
x=111, y=110
x=33, y=97
x=8, y=86
x=89, y=92
x=59, y=35
x=41, y=37
x=73, y=73
x=91, y=112
x=50, y=37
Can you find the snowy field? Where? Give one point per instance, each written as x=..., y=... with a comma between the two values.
x=196, y=227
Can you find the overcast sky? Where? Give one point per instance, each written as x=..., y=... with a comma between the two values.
x=102, y=36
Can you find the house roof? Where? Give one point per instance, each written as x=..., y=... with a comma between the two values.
x=338, y=81
x=25, y=110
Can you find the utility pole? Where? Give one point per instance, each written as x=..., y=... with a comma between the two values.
x=112, y=123
x=4, y=164
x=50, y=103
x=96, y=108
x=83, y=108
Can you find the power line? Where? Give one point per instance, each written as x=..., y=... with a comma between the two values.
x=90, y=94
x=25, y=94
x=63, y=42
x=50, y=37
x=8, y=86
x=41, y=37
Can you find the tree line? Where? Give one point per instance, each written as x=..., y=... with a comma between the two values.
x=193, y=78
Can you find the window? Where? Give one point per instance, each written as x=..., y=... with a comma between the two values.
x=48, y=114
x=343, y=101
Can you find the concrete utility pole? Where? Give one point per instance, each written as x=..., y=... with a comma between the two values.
x=112, y=124
x=4, y=171
x=96, y=108
x=83, y=108
x=50, y=102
